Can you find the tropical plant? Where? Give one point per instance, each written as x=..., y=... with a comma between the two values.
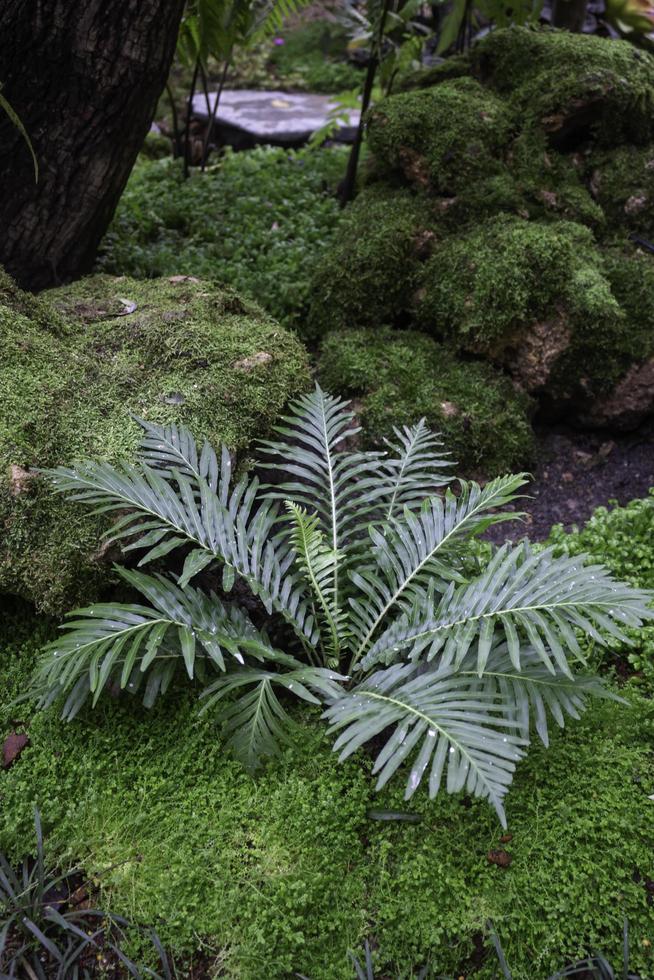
x=372, y=602
x=213, y=29
x=47, y=933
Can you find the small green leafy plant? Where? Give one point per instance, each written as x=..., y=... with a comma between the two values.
x=372, y=604
x=258, y=221
x=45, y=934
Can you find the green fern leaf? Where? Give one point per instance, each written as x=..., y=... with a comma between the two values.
x=440, y=719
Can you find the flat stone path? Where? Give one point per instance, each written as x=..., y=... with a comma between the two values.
x=281, y=118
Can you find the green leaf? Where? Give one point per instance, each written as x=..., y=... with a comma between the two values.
x=194, y=562
x=13, y=115
x=449, y=727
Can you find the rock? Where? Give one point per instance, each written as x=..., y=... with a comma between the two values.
x=522, y=167
x=75, y=366
x=248, y=117
x=12, y=747
x=256, y=360
x=397, y=377
x=629, y=403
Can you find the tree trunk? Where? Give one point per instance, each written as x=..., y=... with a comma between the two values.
x=85, y=79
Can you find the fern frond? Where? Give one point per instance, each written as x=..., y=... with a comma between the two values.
x=255, y=722
x=531, y=598
x=439, y=718
x=340, y=487
x=231, y=526
x=415, y=551
x=172, y=448
x=318, y=563
x=415, y=470
x=276, y=13
x=116, y=643
x=534, y=691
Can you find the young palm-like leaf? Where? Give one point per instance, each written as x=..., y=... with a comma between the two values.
x=533, y=598
x=367, y=561
x=232, y=527
x=416, y=551
x=254, y=721
x=341, y=488
x=534, y=692
x=318, y=562
x=443, y=719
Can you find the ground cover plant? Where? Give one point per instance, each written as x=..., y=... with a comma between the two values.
x=286, y=873
x=49, y=932
x=256, y=220
x=370, y=572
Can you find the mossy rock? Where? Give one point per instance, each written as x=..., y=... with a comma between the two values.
x=529, y=163
x=77, y=363
x=443, y=138
x=575, y=87
x=622, y=183
x=397, y=377
x=370, y=276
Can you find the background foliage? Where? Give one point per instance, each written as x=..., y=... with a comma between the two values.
x=256, y=221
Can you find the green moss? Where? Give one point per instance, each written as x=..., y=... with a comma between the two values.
x=622, y=181
x=620, y=539
x=531, y=160
x=575, y=86
x=456, y=66
x=256, y=220
x=163, y=350
x=397, y=377
x=370, y=277
x=485, y=289
x=551, y=185
x=507, y=273
x=286, y=873
x=631, y=275
x=441, y=138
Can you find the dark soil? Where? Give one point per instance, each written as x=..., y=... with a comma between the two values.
x=577, y=472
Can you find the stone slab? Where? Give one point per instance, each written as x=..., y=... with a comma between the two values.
x=276, y=117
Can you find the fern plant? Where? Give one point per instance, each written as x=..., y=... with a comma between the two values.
x=372, y=603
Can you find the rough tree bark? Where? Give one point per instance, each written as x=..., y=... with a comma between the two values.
x=85, y=79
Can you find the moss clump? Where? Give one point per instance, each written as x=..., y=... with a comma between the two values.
x=286, y=873
x=371, y=274
x=441, y=138
x=529, y=159
x=622, y=182
x=489, y=289
x=398, y=377
x=573, y=86
x=168, y=350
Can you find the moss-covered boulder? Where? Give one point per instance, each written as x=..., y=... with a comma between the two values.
x=396, y=377
x=524, y=175
x=78, y=362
